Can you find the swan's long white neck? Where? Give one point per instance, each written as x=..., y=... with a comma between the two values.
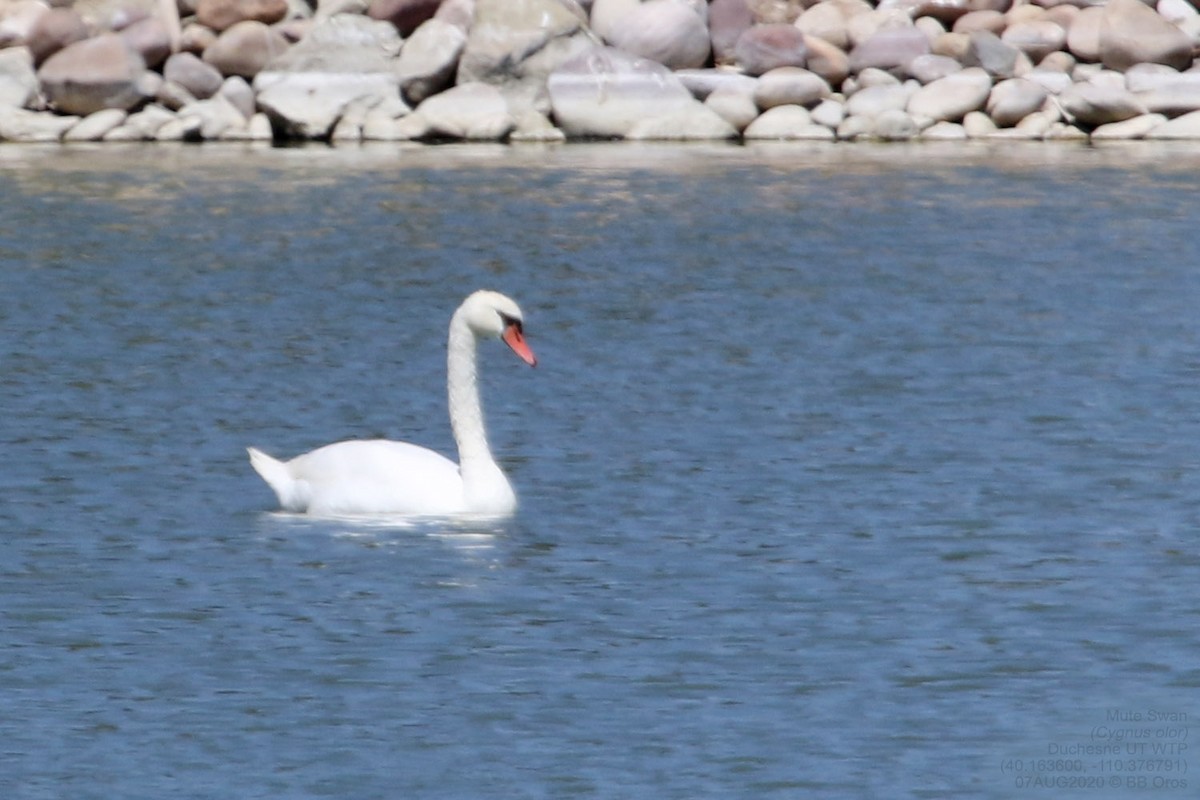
x=466, y=412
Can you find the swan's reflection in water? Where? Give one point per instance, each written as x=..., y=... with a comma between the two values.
x=470, y=535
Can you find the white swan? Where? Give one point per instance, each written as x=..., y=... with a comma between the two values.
x=385, y=477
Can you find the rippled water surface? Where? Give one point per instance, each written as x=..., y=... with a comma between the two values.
x=846, y=472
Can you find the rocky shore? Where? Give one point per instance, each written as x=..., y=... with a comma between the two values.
x=555, y=70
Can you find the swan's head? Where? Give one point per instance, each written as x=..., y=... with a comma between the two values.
x=491, y=314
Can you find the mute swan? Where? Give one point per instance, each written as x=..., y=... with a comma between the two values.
x=385, y=477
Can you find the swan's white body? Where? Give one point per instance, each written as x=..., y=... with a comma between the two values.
x=384, y=477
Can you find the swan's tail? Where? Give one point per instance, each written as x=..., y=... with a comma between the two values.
x=276, y=474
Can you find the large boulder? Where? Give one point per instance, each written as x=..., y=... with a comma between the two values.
x=18, y=81
x=727, y=21
x=53, y=31
x=604, y=93
x=201, y=80
x=429, y=59
x=23, y=125
x=222, y=14
x=94, y=74
x=516, y=44
x=951, y=98
x=1132, y=33
x=1012, y=100
x=245, y=49
x=18, y=19
x=889, y=48
x=1092, y=105
x=406, y=15
x=347, y=58
x=763, y=48
x=671, y=32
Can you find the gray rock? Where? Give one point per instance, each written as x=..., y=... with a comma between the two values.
x=950, y=98
x=789, y=86
x=429, y=59
x=735, y=106
x=889, y=49
x=929, y=68
x=829, y=113
x=875, y=100
x=826, y=60
x=978, y=125
x=1132, y=33
x=217, y=115
x=23, y=125
x=1052, y=81
x=201, y=80
x=93, y=74
x=671, y=32
x=894, y=125
x=1083, y=37
x=53, y=31
x=1132, y=128
x=245, y=49
x=1035, y=38
x=535, y=127
x=1185, y=127
x=604, y=92
x=18, y=20
x=763, y=48
x=1012, y=100
x=18, y=81
x=693, y=123
x=1091, y=105
x=343, y=60
x=143, y=124
x=93, y=127
x=516, y=44
x=703, y=82
x=986, y=51
x=727, y=21
x=472, y=111
x=240, y=95
x=787, y=123
x=944, y=132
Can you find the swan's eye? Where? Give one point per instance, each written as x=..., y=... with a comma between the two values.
x=511, y=322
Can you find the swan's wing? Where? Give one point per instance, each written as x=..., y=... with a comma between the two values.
x=377, y=477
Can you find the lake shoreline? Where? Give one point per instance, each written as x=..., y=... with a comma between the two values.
x=547, y=71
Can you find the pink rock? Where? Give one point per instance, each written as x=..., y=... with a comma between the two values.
x=200, y=79
x=93, y=74
x=667, y=31
x=149, y=37
x=1132, y=33
x=765, y=47
x=223, y=14
x=727, y=20
x=1012, y=100
x=827, y=60
x=1083, y=37
x=789, y=86
x=53, y=31
x=889, y=49
x=406, y=15
x=944, y=11
x=1036, y=39
x=245, y=48
x=18, y=19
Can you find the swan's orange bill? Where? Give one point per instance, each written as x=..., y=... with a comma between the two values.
x=516, y=340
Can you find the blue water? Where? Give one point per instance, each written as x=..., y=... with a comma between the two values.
x=846, y=472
